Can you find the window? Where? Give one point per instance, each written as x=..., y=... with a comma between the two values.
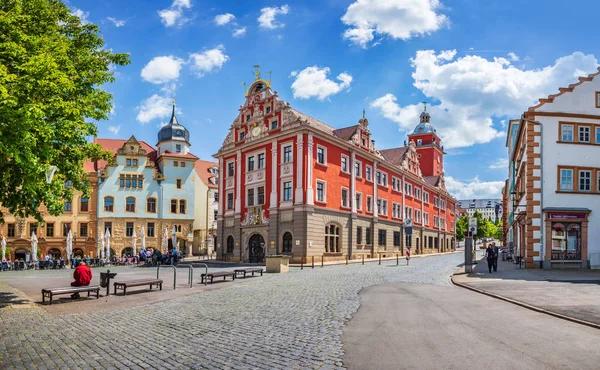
x=261, y=160
x=182, y=206
x=130, y=204
x=178, y=183
x=261, y=195
x=359, y=235
x=175, y=163
x=384, y=179
x=129, y=229
x=274, y=125
x=247, y=117
x=287, y=191
x=173, y=205
x=182, y=164
x=369, y=173
x=408, y=213
x=369, y=204
x=287, y=243
x=436, y=221
x=396, y=184
x=585, y=180
x=68, y=206
x=408, y=189
x=396, y=210
x=344, y=163
x=242, y=135
x=368, y=236
x=10, y=231
x=382, y=207
x=250, y=197
x=417, y=216
x=584, y=134
x=287, y=154
x=320, y=191
x=230, y=201
x=321, y=156
x=268, y=110
x=357, y=169
x=597, y=99
x=597, y=135
x=381, y=237
x=230, y=169
x=332, y=239
x=378, y=177
x=150, y=230
x=436, y=202
x=83, y=206
x=66, y=228
x=132, y=181
x=426, y=197
x=108, y=227
x=566, y=179
x=33, y=228
x=359, y=201
x=396, y=238
x=344, y=198
x=417, y=193
x=216, y=195
x=251, y=163
x=83, y=229
x=50, y=230
x=151, y=205
x=177, y=148
x=230, y=244
x=131, y=162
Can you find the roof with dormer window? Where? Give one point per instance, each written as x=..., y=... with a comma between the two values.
x=173, y=130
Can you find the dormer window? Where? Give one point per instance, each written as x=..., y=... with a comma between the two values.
x=268, y=110
x=242, y=135
x=177, y=148
x=364, y=142
x=273, y=125
x=247, y=117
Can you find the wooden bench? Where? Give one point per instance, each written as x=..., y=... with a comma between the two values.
x=213, y=275
x=123, y=285
x=249, y=270
x=51, y=292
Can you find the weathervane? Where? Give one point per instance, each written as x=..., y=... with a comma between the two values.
x=257, y=72
x=424, y=106
x=363, y=112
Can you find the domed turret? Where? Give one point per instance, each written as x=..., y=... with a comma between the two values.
x=173, y=130
x=424, y=126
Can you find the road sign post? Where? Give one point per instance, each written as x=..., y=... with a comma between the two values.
x=408, y=232
x=468, y=252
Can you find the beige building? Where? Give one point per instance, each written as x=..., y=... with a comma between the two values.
x=79, y=217
x=206, y=183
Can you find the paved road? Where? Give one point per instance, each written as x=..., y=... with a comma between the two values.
x=288, y=321
x=417, y=326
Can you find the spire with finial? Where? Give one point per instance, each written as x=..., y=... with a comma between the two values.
x=173, y=118
x=424, y=115
x=363, y=112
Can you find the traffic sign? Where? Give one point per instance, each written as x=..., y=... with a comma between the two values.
x=408, y=226
x=473, y=224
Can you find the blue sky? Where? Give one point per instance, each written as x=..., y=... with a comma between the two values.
x=476, y=63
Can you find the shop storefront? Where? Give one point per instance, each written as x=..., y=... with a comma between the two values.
x=566, y=240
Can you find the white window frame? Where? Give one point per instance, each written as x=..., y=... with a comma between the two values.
x=382, y=208
x=347, y=170
x=324, y=163
x=283, y=200
x=417, y=216
x=324, y=191
x=426, y=196
x=286, y=145
x=227, y=201
x=408, y=189
x=358, y=200
x=369, y=173
x=417, y=193
x=579, y=131
x=425, y=218
x=248, y=157
x=369, y=208
x=408, y=213
x=227, y=168
x=359, y=164
x=348, y=195
x=396, y=210
x=562, y=133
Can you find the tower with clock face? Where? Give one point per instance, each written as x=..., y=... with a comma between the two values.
x=173, y=137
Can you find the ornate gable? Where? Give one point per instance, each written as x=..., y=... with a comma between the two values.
x=132, y=147
x=410, y=161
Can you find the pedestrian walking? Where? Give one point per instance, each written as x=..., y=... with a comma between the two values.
x=489, y=255
x=496, y=252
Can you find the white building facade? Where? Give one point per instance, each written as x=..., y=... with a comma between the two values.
x=490, y=209
x=554, y=184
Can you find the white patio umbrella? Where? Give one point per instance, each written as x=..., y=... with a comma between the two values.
x=133, y=244
x=165, y=240
x=34, y=245
x=102, y=254
x=3, y=248
x=69, y=245
x=143, y=235
x=107, y=236
x=174, y=237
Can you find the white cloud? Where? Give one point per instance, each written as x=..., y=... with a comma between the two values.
x=116, y=22
x=114, y=129
x=513, y=57
x=223, y=19
x=154, y=107
x=472, y=90
x=174, y=15
x=267, y=17
x=239, y=32
x=83, y=16
x=399, y=19
x=162, y=69
x=208, y=60
x=501, y=163
x=473, y=189
x=313, y=82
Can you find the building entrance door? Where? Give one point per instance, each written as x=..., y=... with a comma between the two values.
x=256, y=248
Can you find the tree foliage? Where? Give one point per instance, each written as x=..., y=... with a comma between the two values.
x=462, y=226
x=52, y=67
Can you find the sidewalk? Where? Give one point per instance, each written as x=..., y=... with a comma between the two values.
x=570, y=294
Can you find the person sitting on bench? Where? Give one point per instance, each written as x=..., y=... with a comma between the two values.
x=82, y=276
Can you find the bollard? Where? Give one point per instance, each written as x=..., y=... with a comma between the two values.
x=363, y=259
x=397, y=260
x=313, y=261
x=346, y=259
x=379, y=258
x=301, y=263
x=321, y=261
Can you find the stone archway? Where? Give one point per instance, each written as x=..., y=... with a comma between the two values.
x=256, y=249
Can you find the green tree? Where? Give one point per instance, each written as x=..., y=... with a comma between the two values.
x=481, y=226
x=52, y=67
x=491, y=230
x=461, y=227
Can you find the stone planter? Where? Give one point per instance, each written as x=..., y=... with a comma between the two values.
x=277, y=264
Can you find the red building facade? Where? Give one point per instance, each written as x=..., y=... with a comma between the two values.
x=291, y=184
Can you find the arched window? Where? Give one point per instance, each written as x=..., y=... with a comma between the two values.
x=332, y=239
x=130, y=204
x=151, y=205
x=109, y=203
x=230, y=244
x=287, y=243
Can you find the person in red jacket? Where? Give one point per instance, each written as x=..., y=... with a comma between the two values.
x=82, y=276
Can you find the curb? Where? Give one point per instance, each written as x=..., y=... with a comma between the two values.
x=525, y=305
